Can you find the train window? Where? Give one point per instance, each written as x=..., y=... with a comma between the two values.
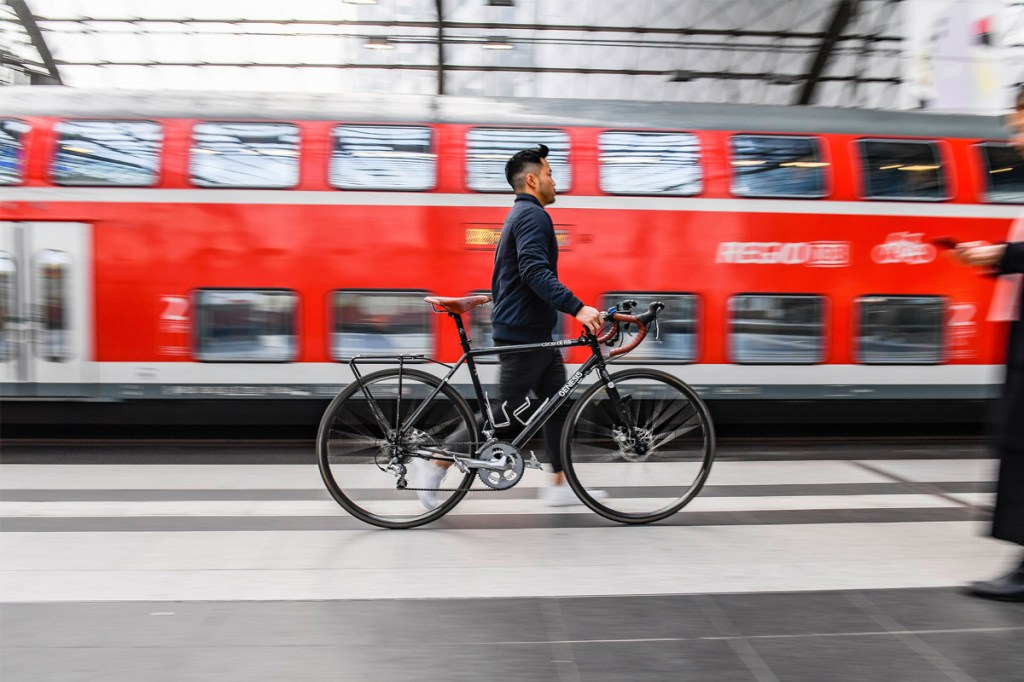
x=383, y=157
x=777, y=329
x=481, y=331
x=488, y=149
x=12, y=150
x=245, y=325
x=1004, y=173
x=53, y=299
x=650, y=163
x=118, y=153
x=8, y=306
x=380, y=322
x=264, y=155
x=677, y=334
x=778, y=166
x=906, y=170
x=900, y=330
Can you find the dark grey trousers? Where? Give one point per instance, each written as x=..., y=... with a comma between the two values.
x=538, y=374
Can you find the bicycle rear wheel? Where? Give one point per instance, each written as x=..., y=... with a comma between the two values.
x=359, y=454
x=652, y=472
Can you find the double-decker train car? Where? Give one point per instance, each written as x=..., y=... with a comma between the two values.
x=205, y=258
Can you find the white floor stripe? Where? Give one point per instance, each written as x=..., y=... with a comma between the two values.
x=304, y=477
x=439, y=562
x=935, y=470
x=492, y=504
x=975, y=499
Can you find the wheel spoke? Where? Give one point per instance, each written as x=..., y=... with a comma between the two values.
x=355, y=451
x=669, y=451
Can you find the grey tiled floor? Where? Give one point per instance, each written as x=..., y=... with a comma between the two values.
x=907, y=635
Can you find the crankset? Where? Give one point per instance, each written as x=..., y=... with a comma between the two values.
x=511, y=464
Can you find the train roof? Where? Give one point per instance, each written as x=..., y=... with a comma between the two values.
x=64, y=101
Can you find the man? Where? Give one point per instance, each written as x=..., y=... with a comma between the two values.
x=1008, y=304
x=527, y=300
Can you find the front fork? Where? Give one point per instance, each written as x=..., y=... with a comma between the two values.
x=625, y=416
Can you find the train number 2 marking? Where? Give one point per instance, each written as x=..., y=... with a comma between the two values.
x=175, y=308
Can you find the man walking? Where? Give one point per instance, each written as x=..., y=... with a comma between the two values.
x=527, y=300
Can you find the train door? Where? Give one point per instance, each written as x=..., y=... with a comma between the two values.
x=45, y=309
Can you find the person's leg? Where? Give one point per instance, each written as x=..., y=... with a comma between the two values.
x=1007, y=524
x=518, y=378
x=551, y=379
x=1008, y=515
x=548, y=384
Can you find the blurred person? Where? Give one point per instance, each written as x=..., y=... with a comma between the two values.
x=527, y=299
x=1007, y=260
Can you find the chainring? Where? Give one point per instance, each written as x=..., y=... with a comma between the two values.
x=505, y=478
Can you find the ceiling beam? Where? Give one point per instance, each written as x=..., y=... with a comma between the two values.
x=844, y=11
x=458, y=25
x=688, y=75
x=28, y=22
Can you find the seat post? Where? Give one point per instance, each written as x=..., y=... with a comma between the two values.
x=463, y=339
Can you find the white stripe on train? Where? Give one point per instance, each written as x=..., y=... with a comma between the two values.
x=327, y=373
x=339, y=198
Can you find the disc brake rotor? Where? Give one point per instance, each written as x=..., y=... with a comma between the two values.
x=636, y=449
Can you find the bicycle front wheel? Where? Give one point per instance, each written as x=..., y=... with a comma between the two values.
x=360, y=453
x=638, y=449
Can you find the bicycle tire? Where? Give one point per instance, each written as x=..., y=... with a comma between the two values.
x=351, y=446
x=618, y=480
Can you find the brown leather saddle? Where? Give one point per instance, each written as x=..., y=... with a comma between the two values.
x=456, y=306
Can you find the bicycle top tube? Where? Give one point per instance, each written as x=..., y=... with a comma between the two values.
x=456, y=306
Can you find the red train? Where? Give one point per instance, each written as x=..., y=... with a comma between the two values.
x=234, y=251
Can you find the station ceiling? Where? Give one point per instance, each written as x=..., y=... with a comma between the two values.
x=829, y=52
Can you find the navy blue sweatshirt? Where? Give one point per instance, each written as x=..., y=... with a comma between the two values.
x=525, y=286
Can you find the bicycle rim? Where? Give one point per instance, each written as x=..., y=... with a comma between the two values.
x=355, y=446
x=649, y=473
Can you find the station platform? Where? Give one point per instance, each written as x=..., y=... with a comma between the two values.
x=815, y=562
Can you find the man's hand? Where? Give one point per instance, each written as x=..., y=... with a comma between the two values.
x=590, y=318
x=979, y=254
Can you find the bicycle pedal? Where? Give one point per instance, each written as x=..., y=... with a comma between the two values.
x=532, y=463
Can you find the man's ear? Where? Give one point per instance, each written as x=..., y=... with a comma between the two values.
x=531, y=181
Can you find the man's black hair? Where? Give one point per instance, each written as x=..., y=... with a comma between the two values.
x=521, y=163
x=1020, y=98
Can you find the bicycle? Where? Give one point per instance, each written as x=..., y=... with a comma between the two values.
x=642, y=435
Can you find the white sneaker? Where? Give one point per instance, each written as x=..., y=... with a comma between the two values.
x=563, y=496
x=424, y=474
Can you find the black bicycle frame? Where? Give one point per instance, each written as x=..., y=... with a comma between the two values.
x=538, y=418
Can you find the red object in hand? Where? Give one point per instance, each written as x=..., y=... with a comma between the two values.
x=944, y=242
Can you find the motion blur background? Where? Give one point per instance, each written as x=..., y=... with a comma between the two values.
x=962, y=55
x=209, y=206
